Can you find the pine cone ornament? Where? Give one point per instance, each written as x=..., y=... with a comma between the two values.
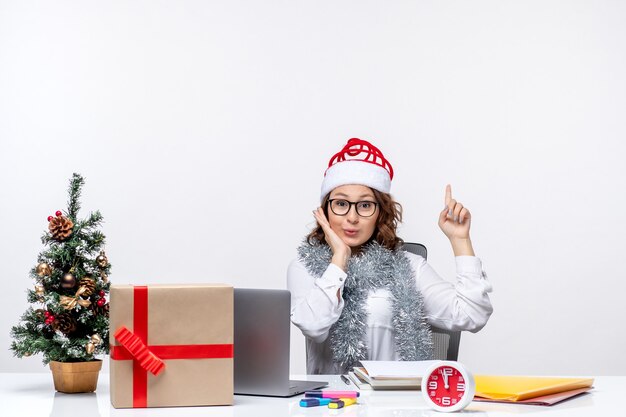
x=100, y=310
x=90, y=285
x=60, y=227
x=64, y=323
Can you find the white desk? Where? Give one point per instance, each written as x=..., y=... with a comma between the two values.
x=34, y=395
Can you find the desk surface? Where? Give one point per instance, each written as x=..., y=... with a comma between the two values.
x=34, y=395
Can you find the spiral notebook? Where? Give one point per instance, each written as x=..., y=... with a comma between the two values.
x=390, y=374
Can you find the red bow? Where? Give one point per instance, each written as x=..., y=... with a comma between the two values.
x=147, y=360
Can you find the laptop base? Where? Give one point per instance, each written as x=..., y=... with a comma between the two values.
x=295, y=388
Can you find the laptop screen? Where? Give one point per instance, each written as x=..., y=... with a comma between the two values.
x=261, y=339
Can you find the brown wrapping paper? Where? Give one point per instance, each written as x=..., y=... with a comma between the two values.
x=177, y=315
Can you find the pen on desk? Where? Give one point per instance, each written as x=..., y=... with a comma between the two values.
x=314, y=402
x=331, y=394
x=341, y=402
x=345, y=379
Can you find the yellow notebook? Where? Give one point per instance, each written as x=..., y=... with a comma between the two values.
x=516, y=388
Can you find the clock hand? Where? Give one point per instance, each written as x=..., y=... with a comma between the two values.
x=445, y=378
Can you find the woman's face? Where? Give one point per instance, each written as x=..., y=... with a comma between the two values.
x=352, y=228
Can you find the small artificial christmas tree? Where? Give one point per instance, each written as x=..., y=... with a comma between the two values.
x=71, y=286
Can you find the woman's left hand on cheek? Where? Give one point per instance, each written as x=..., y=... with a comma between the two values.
x=454, y=219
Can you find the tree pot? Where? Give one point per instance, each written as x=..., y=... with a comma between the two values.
x=72, y=377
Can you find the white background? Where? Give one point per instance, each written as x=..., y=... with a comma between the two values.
x=203, y=129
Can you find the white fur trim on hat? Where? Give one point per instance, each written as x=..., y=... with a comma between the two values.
x=356, y=172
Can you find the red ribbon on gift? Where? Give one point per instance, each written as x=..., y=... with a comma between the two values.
x=150, y=357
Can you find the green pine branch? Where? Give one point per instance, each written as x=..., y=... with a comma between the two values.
x=75, y=189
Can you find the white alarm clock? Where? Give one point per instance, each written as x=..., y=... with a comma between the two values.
x=448, y=386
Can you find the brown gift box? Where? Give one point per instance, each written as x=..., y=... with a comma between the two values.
x=176, y=318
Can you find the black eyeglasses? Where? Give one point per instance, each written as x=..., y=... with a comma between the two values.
x=341, y=207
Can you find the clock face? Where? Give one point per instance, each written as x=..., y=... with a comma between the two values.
x=448, y=387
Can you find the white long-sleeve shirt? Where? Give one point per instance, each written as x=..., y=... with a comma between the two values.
x=315, y=307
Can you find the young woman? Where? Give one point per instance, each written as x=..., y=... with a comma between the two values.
x=356, y=294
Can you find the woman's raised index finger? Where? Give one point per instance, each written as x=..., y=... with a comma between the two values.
x=448, y=193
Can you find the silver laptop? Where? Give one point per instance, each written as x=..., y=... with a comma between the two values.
x=262, y=330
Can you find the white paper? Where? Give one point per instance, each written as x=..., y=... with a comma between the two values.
x=397, y=369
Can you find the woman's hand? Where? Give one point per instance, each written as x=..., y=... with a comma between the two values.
x=454, y=222
x=341, y=251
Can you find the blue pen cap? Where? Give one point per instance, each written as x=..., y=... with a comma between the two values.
x=309, y=402
x=314, y=402
x=314, y=394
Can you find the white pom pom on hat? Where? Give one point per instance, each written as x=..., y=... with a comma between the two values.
x=359, y=163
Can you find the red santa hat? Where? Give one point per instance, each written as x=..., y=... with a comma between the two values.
x=360, y=163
